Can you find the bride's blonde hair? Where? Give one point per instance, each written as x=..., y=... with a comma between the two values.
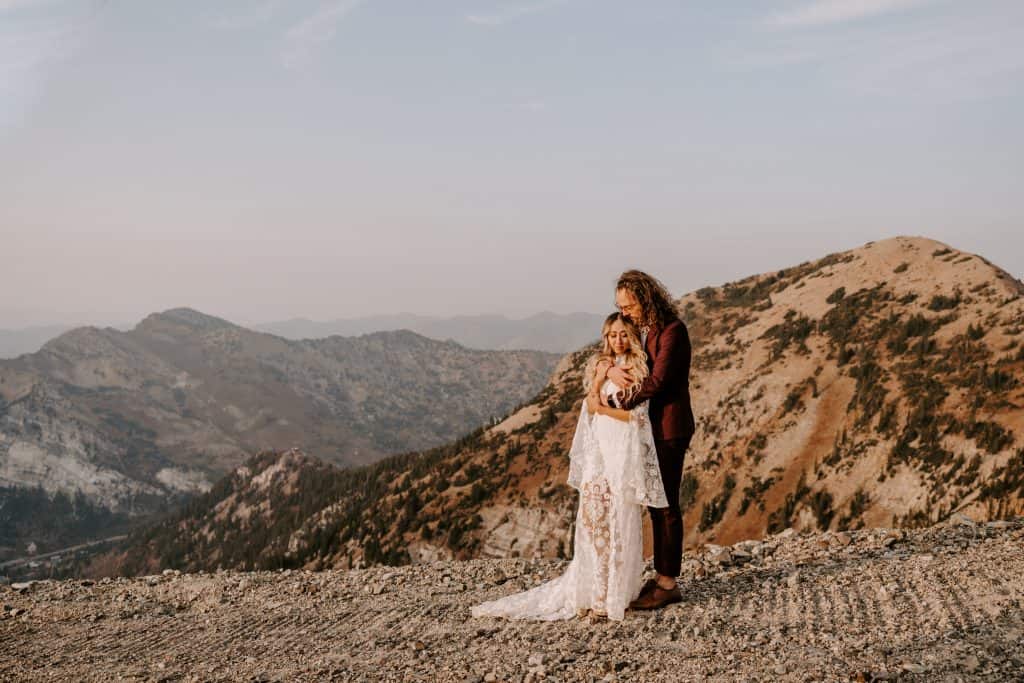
x=635, y=356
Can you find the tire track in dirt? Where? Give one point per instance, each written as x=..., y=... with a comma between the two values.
x=859, y=609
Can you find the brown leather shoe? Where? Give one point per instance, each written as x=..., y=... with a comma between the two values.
x=657, y=598
x=648, y=587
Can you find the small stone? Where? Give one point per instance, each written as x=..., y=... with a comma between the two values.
x=740, y=556
x=168, y=572
x=535, y=660
x=780, y=670
x=490, y=676
x=962, y=519
x=971, y=664
x=720, y=556
x=793, y=579
x=842, y=539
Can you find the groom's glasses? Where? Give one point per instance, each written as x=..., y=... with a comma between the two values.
x=628, y=308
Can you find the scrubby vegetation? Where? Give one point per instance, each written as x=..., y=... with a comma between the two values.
x=754, y=492
x=714, y=509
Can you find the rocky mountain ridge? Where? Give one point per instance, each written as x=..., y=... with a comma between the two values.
x=552, y=332
x=133, y=420
x=876, y=387
x=545, y=331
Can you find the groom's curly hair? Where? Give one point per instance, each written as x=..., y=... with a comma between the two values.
x=655, y=302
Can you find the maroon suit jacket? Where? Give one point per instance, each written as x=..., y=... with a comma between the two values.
x=668, y=384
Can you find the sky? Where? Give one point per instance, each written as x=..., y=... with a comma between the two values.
x=330, y=159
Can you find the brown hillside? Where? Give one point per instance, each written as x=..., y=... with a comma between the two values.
x=875, y=387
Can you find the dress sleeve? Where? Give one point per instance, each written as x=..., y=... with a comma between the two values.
x=643, y=471
x=583, y=442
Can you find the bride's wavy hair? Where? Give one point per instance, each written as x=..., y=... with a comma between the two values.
x=636, y=357
x=656, y=304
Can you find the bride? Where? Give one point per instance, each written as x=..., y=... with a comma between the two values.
x=613, y=464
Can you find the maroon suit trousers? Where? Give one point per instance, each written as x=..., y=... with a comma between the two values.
x=667, y=523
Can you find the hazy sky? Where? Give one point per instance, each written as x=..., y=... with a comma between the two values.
x=269, y=159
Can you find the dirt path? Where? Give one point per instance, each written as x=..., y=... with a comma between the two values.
x=934, y=605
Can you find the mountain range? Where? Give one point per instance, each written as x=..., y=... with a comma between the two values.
x=875, y=387
x=551, y=332
x=102, y=422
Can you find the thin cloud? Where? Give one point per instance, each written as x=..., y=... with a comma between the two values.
x=308, y=37
x=32, y=43
x=257, y=15
x=831, y=12
x=951, y=55
x=508, y=13
x=9, y=5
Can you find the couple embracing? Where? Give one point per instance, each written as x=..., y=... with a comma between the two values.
x=634, y=428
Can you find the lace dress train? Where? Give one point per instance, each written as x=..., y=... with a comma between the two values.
x=615, y=468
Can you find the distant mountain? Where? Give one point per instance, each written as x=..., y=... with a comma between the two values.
x=551, y=332
x=543, y=331
x=876, y=387
x=28, y=340
x=132, y=420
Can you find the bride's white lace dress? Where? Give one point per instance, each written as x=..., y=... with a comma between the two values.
x=614, y=466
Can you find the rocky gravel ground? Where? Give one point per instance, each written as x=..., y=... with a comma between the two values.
x=939, y=604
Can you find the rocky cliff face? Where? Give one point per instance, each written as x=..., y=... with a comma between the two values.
x=876, y=387
x=133, y=420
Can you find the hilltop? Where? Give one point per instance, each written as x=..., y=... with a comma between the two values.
x=553, y=332
x=938, y=604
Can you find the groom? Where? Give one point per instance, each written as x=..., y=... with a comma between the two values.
x=646, y=302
